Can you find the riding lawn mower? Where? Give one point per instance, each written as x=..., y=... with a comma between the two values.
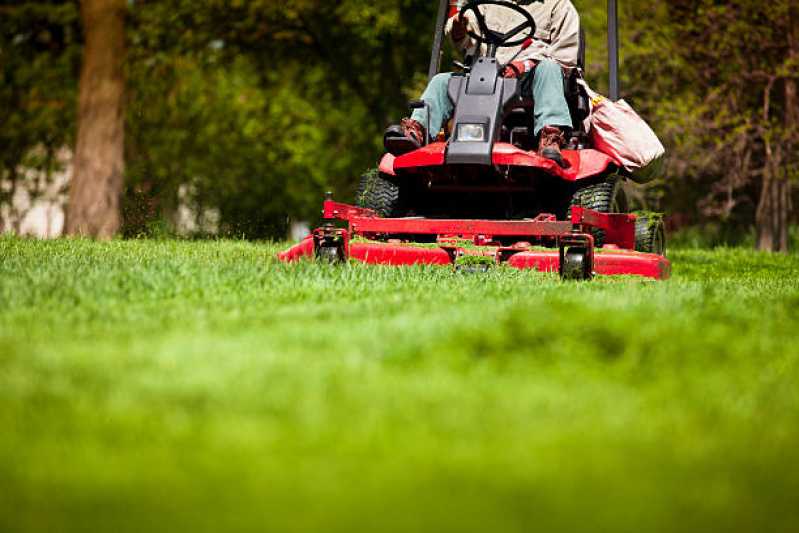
x=479, y=195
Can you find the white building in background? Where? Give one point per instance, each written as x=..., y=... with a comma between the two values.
x=298, y=230
x=37, y=208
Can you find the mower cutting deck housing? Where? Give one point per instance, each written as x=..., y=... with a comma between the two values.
x=465, y=243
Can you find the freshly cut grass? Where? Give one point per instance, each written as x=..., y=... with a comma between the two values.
x=183, y=386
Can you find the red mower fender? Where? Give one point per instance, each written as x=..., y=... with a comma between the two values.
x=582, y=163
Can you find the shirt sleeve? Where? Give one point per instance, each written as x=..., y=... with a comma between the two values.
x=467, y=45
x=565, y=39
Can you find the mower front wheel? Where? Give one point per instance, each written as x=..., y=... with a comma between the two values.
x=331, y=253
x=575, y=265
x=650, y=234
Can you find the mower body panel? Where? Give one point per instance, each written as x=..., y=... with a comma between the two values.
x=583, y=164
x=480, y=100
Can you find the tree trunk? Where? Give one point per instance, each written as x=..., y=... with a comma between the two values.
x=96, y=187
x=791, y=125
x=772, y=211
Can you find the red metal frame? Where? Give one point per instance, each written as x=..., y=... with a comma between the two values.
x=619, y=227
x=582, y=164
x=390, y=241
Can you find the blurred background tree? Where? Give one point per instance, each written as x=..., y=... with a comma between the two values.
x=99, y=163
x=247, y=111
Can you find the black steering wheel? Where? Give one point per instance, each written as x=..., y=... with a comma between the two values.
x=497, y=38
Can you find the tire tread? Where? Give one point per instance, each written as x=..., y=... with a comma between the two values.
x=377, y=193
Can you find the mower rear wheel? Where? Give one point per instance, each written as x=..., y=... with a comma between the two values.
x=650, y=234
x=379, y=194
x=606, y=197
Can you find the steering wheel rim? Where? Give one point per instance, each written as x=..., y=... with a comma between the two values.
x=491, y=37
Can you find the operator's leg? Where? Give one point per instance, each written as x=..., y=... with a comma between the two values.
x=437, y=97
x=410, y=134
x=551, y=111
x=551, y=108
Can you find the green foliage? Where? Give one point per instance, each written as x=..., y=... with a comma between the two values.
x=252, y=110
x=266, y=106
x=174, y=386
x=710, y=76
x=40, y=48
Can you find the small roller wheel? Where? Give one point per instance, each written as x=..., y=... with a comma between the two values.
x=650, y=234
x=329, y=254
x=575, y=265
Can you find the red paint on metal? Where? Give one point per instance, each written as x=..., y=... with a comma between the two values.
x=398, y=254
x=632, y=263
x=619, y=227
x=427, y=156
x=605, y=263
x=544, y=261
x=451, y=233
x=582, y=163
x=304, y=248
x=456, y=227
x=336, y=210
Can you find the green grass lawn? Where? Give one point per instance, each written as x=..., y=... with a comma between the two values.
x=182, y=386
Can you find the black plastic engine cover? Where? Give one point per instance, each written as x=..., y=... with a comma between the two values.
x=480, y=98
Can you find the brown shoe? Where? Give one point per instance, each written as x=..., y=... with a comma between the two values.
x=549, y=145
x=406, y=137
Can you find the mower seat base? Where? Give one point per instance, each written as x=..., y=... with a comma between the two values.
x=397, y=143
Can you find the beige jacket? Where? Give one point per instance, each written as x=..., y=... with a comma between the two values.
x=557, y=34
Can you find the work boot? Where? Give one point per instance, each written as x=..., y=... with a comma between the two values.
x=406, y=137
x=549, y=145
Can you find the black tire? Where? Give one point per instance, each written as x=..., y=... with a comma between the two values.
x=606, y=197
x=377, y=193
x=650, y=234
x=574, y=265
x=329, y=254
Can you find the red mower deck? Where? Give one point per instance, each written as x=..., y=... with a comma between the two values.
x=542, y=243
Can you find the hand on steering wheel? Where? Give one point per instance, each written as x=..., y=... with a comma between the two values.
x=497, y=38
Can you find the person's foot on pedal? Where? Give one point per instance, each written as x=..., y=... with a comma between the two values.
x=406, y=137
x=549, y=145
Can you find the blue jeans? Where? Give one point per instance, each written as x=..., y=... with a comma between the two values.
x=551, y=108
